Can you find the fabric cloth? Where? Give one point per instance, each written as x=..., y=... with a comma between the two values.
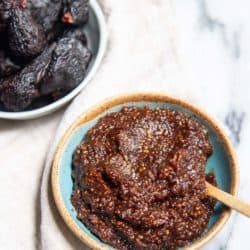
x=141, y=56
x=23, y=149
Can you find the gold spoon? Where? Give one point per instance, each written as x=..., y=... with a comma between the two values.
x=228, y=199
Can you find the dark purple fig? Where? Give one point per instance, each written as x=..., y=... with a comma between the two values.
x=75, y=12
x=76, y=33
x=5, y=7
x=67, y=69
x=18, y=91
x=7, y=66
x=46, y=12
x=26, y=37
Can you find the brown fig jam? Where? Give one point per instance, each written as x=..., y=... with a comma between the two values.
x=139, y=179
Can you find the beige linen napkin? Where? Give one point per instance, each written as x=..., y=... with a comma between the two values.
x=141, y=55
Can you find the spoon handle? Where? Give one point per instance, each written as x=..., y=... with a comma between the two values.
x=228, y=199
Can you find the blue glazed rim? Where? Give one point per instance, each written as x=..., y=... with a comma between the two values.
x=223, y=155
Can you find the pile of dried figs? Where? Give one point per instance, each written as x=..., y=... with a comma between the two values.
x=43, y=51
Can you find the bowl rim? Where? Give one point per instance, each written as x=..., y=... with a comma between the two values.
x=98, y=109
x=31, y=114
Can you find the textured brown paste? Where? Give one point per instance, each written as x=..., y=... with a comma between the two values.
x=139, y=179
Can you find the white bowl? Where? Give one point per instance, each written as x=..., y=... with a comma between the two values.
x=97, y=39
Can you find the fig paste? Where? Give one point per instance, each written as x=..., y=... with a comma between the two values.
x=139, y=179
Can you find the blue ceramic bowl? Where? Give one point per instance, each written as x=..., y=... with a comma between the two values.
x=222, y=163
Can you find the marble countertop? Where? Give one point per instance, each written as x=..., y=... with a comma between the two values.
x=213, y=45
x=214, y=42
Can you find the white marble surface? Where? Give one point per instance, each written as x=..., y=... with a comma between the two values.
x=212, y=45
x=214, y=42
